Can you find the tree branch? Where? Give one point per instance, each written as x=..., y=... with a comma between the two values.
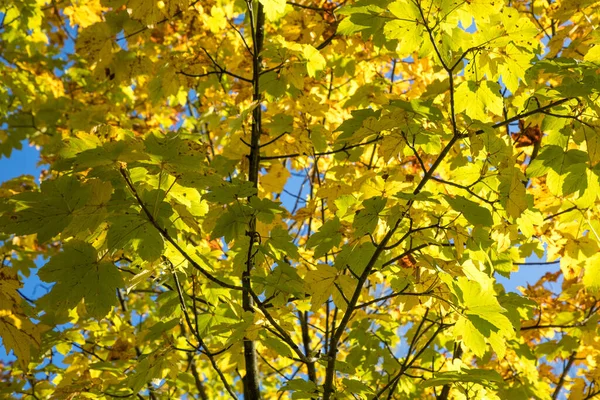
x=458, y=352
x=393, y=381
x=325, y=153
x=168, y=237
x=310, y=365
x=211, y=73
x=561, y=380
x=283, y=334
x=538, y=263
x=520, y=116
x=330, y=370
x=223, y=70
x=207, y=352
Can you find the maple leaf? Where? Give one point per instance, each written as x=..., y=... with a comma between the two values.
x=51, y=209
x=320, y=284
x=17, y=331
x=80, y=275
x=274, y=9
x=479, y=100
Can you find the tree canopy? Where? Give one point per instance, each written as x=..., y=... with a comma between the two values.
x=301, y=199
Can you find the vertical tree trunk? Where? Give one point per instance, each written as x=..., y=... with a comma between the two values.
x=257, y=19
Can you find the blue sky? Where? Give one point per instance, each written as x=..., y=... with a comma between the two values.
x=21, y=162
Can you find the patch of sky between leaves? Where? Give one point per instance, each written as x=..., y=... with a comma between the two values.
x=122, y=41
x=23, y=161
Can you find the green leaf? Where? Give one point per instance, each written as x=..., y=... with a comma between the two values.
x=133, y=231
x=265, y=209
x=80, y=275
x=516, y=63
x=176, y=153
x=150, y=367
x=345, y=203
x=300, y=385
x=229, y=192
x=422, y=108
x=349, y=126
x=575, y=179
x=280, y=123
x=356, y=257
x=273, y=83
x=213, y=319
x=47, y=212
x=326, y=238
x=473, y=212
x=553, y=158
x=517, y=308
x=421, y=196
x=284, y=279
x=95, y=42
x=351, y=24
x=232, y=223
x=318, y=137
x=158, y=329
x=93, y=213
x=528, y=221
x=356, y=386
x=392, y=145
x=483, y=304
x=591, y=276
x=407, y=28
x=108, y=154
x=550, y=157
x=366, y=20
x=367, y=219
x=280, y=243
x=593, y=54
x=279, y=346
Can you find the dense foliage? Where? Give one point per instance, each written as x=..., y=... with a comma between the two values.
x=306, y=199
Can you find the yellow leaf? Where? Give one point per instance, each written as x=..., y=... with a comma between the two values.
x=18, y=334
x=275, y=179
x=593, y=54
x=470, y=336
x=591, y=277
x=514, y=196
x=95, y=42
x=274, y=9
x=392, y=145
x=217, y=20
x=314, y=60
x=346, y=284
x=320, y=284
x=478, y=100
x=84, y=12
